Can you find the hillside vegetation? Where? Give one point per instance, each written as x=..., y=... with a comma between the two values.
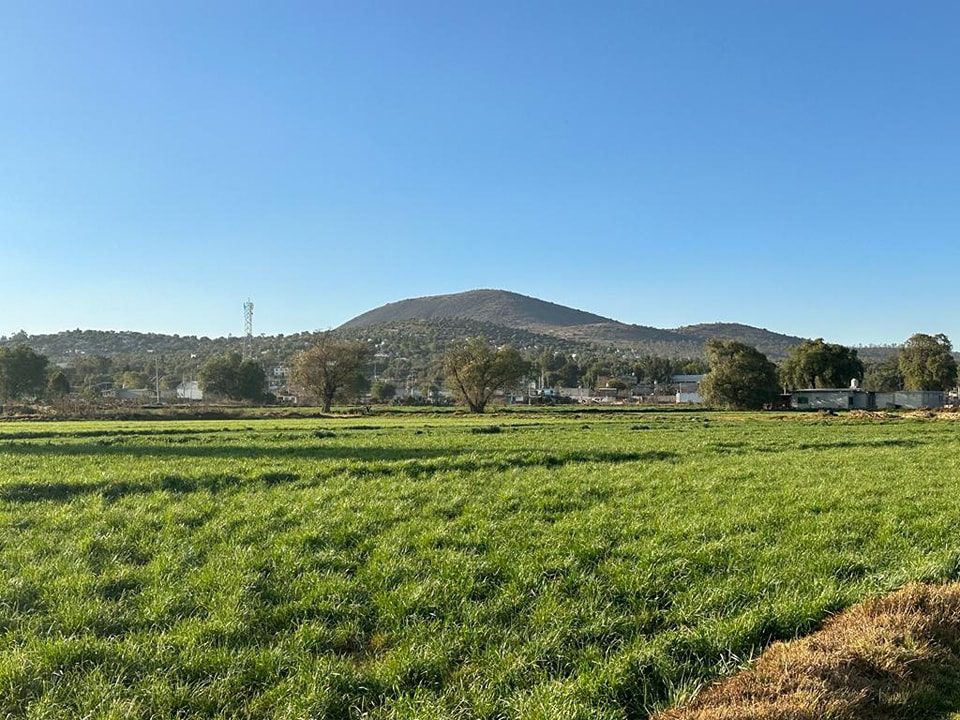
x=493, y=306
x=508, y=309
x=417, y=331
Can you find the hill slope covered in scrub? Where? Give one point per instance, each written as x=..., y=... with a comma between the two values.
x=425, y=327
x=513, y=310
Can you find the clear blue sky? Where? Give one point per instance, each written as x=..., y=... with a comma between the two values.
x=793, y=165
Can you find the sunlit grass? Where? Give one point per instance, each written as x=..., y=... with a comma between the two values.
x=598, y=566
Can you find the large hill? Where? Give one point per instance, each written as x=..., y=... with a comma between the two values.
x=520, y=312
x=408, y=338
x=495, y=306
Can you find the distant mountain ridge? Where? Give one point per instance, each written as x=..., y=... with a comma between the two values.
x=420, y=329
x=521, y=312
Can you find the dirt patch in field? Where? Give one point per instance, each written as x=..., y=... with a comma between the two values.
x=893, y=657
x=927, y=414
x=873, y=415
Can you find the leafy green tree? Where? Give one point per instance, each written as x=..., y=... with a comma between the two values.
x=740, y=377
x=219, y=375
x=691, y=366
x=884, y=376
x=329, y=367
x=231, y=376
x=22, y=373
x=383, y=391
x=557, y=369
x=90, y=369
x=819, y=364
x=58, y=385
x=650, y=368
x=594, y=371
x=567, y=376
x=476, y=371
x=251, y=381
x=598, y=369
x=133, y=379
x=355, y=388
x=927, y=363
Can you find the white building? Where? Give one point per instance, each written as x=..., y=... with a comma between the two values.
x=688, y=388
x=189, y=390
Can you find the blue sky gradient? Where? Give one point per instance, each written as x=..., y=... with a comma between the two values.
x=792, y=165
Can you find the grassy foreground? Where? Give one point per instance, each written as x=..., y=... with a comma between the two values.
x=564, y=567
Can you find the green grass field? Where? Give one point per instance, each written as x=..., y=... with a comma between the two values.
x=599, y=566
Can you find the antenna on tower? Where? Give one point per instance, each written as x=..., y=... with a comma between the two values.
x=248, y=329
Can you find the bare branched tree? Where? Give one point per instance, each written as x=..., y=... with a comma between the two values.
x=329, y=366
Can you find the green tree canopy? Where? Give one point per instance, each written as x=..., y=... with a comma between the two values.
x=133, y=379
x=383, y=391
x=740, y=376
x=58, y=385
x=231, y=376
x=90, y=366
x=927, y=363
x=650, y=368
x=22, y=373
x=331, y=366
x=557, y=369
x=690, y=366
x=475, y=371
x=251, y=381
x=884, y=376
x=819, y=364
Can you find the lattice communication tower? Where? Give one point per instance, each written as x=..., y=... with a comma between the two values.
x=248, y=328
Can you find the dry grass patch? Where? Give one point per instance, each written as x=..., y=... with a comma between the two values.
x=892, y=657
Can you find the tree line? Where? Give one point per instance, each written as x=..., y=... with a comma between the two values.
x=742, y=377
x=25, y=373
x=334, y=369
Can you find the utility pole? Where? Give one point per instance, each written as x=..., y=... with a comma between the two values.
x=158, y=379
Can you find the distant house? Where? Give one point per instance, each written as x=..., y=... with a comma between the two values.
x=688, y=388
x=856, y=399
x=611, y=393
x=580, y=394
x=189, y=390
x=910, y=399
x=830, y=399
x=687, y=379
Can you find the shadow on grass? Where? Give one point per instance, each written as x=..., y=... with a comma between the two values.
x=946, y=700
x=302, y=451
x=362, y=453
x=64, y=492
x=113, y=433
x=742, y=448
x=415, y=464
x=881, y=443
